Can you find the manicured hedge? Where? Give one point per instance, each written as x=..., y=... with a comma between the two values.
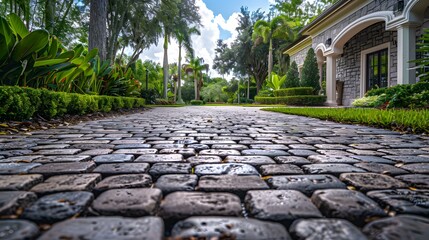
x=298, y=91
x=23, y=103
x=310, y=100
x=197, y=102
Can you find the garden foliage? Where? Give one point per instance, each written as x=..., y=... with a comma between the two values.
x=24, y=103
x=292, y=76
x=310, y=72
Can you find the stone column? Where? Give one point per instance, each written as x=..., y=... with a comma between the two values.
x=406, y=53
x=331, y=77
x=320, y=66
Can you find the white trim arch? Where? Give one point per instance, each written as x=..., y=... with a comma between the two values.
x=355, y=27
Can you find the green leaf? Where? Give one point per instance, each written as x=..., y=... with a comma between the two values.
x=68, y=55
x=17, y=26
x=91, y=54
x=53, y=48
x=32, y=43
x=50, y=62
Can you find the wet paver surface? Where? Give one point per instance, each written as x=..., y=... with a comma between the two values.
x=214, y=173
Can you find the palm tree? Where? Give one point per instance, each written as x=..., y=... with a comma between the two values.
x=196, y=67
x=183, y=36
x=265, y=31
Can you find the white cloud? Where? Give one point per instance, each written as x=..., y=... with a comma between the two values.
x=205, y=44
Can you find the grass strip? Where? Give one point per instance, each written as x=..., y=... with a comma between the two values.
x=411, y=121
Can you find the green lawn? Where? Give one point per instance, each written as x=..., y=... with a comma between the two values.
x=416, y=121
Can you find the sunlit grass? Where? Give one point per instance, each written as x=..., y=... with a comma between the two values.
x=416, y=121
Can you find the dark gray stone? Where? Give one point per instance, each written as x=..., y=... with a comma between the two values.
x=306, y=184
x=321, y=229
x=93, y=146
x=176, y=182
x=252, y=160
x=199, y=147
x=195, y=160
x=292, y=160
x=113, y=158
x=398, y=228
x=366, y=152
x=269, y=146
x=18, y=230
x=20, y=159
x=331, y=159
x=220, y=152
x=159, y=169
x=422, y=168
x=102, y=228
x=231, y=183
x=186, y=152
x=166, y=158
x=128, y=202
x=179, y=205
x=371, y=181
x=302, y=146
x=16, y=168
x=124, y=181
x=96, y=152
x=280, y=169
x=403, y=201
x=131, y=146
x=16, y=145
x=11, y=201
x=48, y=152
x=408, y=159
x=403, y=151
x=228, y=228
x=283, y=206
x=230, y=146
x=415, y=180
x=63, y=159
x=136, y=151
x=262, y=152
x=225, y=169
x=58, y=207
x=19, y=182
x=351, y=205
x=122, y=168
x=381, y=168
x=67, y=183
x=14, y=153
x=50, y=169
x=302, y=152
x=331, y=168
x=372, y=159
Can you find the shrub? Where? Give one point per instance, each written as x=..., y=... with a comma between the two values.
x=24, y=103
x=161, y=101
x=265, y=93
x=197, y=102
x=150, y=95
x=292, y=76
x=310, y=72
x=299, y=91
x=306, y=100
x=371, y=101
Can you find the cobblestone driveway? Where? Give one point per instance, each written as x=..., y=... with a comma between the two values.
x=227, y=172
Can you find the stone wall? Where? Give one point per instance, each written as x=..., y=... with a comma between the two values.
x=299, y=57
x=373, y=6
x=349, y=64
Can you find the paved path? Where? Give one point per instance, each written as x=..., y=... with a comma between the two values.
x=230, y=172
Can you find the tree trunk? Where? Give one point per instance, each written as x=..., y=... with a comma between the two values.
x=196, y=86
x=97, y=27
x=50, y=15
x=165, y=66
x=270, y=59
x=179, y=76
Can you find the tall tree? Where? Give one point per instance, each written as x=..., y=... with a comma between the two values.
x=310, y=72
x=196, y=67
x=278, y=27
x=50, y=15
x=98, y=27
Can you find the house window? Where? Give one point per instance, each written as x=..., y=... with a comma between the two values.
x=377, y=69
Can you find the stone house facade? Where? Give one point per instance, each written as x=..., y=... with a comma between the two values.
x=364, y=43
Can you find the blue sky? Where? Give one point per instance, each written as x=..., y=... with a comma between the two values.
x=219, y=20
x=227, y=7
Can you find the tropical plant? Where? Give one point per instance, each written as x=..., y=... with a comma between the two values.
x=276, y=82
x=310, y=72
x=278, y=27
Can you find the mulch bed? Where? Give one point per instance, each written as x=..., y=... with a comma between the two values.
x=39, y=123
